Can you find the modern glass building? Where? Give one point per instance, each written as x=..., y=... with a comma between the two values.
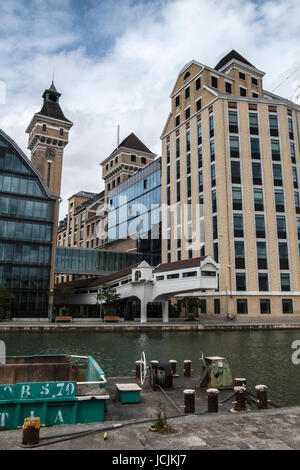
x=26, y=226
x=135, y=209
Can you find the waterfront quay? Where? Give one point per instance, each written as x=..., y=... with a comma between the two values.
x=209, y=322
x=264, y=430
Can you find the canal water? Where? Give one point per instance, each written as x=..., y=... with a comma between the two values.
x=262, y=357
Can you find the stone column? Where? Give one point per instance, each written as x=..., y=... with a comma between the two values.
x=165, y=311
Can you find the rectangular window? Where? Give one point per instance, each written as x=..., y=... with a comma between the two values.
x=217, y=306
x=234, y=146
x=254, y=95
x=273, y=122
x=200, y=181
x=275, y=149
x=265, y=306
x=211, y=125
x=237, y=198
x=213, y=175
x=295, y=177
x=214, y=82
x=203, y=305
x=168, y=152
x=173, y=276
x=188, y=140
x=258, y=199
x=290, y=126
x=253, y=123
x=256, y=173
x=61, y=132
x=242, y=76
x=241, y=306
x=177, y=147
x=198, y=105
x=212, y=150
x=261, y=249
x=235, y=172
x=254, y=81
x=283, y=255
x=233, y=122
x=133, y=158
x=199, y=133
x=187, y=113
x=292, y=152
x=200, y=160
x=177, y=169
x=298, y=227
x=240, y=280
x=238, y=226
x=214, y=200
x=297, y=202
x=44, y=128
x=228, y=87
x=177, y=100
x=48, y=173
x=279, y=200
x=239, y=254
x=198, y=83
x=255, y=148
x=189, y=187
x=263, y=284
x=285, y=282
x=287, y=305
x=243, y=91
x=190, y=274
x=215, y=227
x=177, y=120
x=260, y=226
x=187, y=93
x=277, y=174
x=281, y=226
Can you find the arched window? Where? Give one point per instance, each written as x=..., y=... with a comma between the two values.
x=137, y=275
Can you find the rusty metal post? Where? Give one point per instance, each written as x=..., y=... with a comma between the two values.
x=138, y=369
x=173, y=364
x=189, y=401
x=212, y=400
x=240, y=398
x=187, y=368
x=261, y=395
x=240, y=382
x=31, y=431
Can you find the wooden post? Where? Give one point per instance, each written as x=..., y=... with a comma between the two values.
x=240, y=382
x=187, y=368
x=173, y=366
x=261, y=395
x=138, y=369
x=212, y=400
x=189, y=401
x=240, y=397
x=31, y=431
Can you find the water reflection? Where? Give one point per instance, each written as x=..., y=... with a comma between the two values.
x=263, y=357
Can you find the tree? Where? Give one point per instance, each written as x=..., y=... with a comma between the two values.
x=62, y=295
x=191, y=304
x=107, y=295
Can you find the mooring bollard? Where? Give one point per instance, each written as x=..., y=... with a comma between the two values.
x=212, y=400
x=240, y=398
x=240, y=382
x=187, y=368
x=173, y=364
x=153, y=364
x=261, y=395
x=31, y=431
x=189, y=401
x=137, y=369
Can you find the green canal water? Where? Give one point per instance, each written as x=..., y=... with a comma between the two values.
x=263, y=357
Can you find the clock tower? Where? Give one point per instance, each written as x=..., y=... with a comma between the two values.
x=48, y=135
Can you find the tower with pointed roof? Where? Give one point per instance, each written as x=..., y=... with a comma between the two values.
x=130, y=156
x=48, y=135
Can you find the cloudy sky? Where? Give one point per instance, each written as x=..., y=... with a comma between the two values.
x=116, y=61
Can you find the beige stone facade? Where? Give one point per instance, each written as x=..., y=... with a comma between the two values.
x=237, y=151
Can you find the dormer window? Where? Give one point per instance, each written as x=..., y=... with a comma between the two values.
x=186, y=75
x=137, y=275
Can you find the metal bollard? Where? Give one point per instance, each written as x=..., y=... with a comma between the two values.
x=240, y=382
x=261, y=395
x=240, y=398
x=173, y=364
x=31, y=431
x=212, y=400
x=154, y=363
x=137, y=369
x=189, y=401
x=187, y=368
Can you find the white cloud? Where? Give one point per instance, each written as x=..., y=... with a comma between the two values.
x=145, y=45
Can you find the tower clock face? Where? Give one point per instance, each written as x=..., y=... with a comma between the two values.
x=50, y=153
